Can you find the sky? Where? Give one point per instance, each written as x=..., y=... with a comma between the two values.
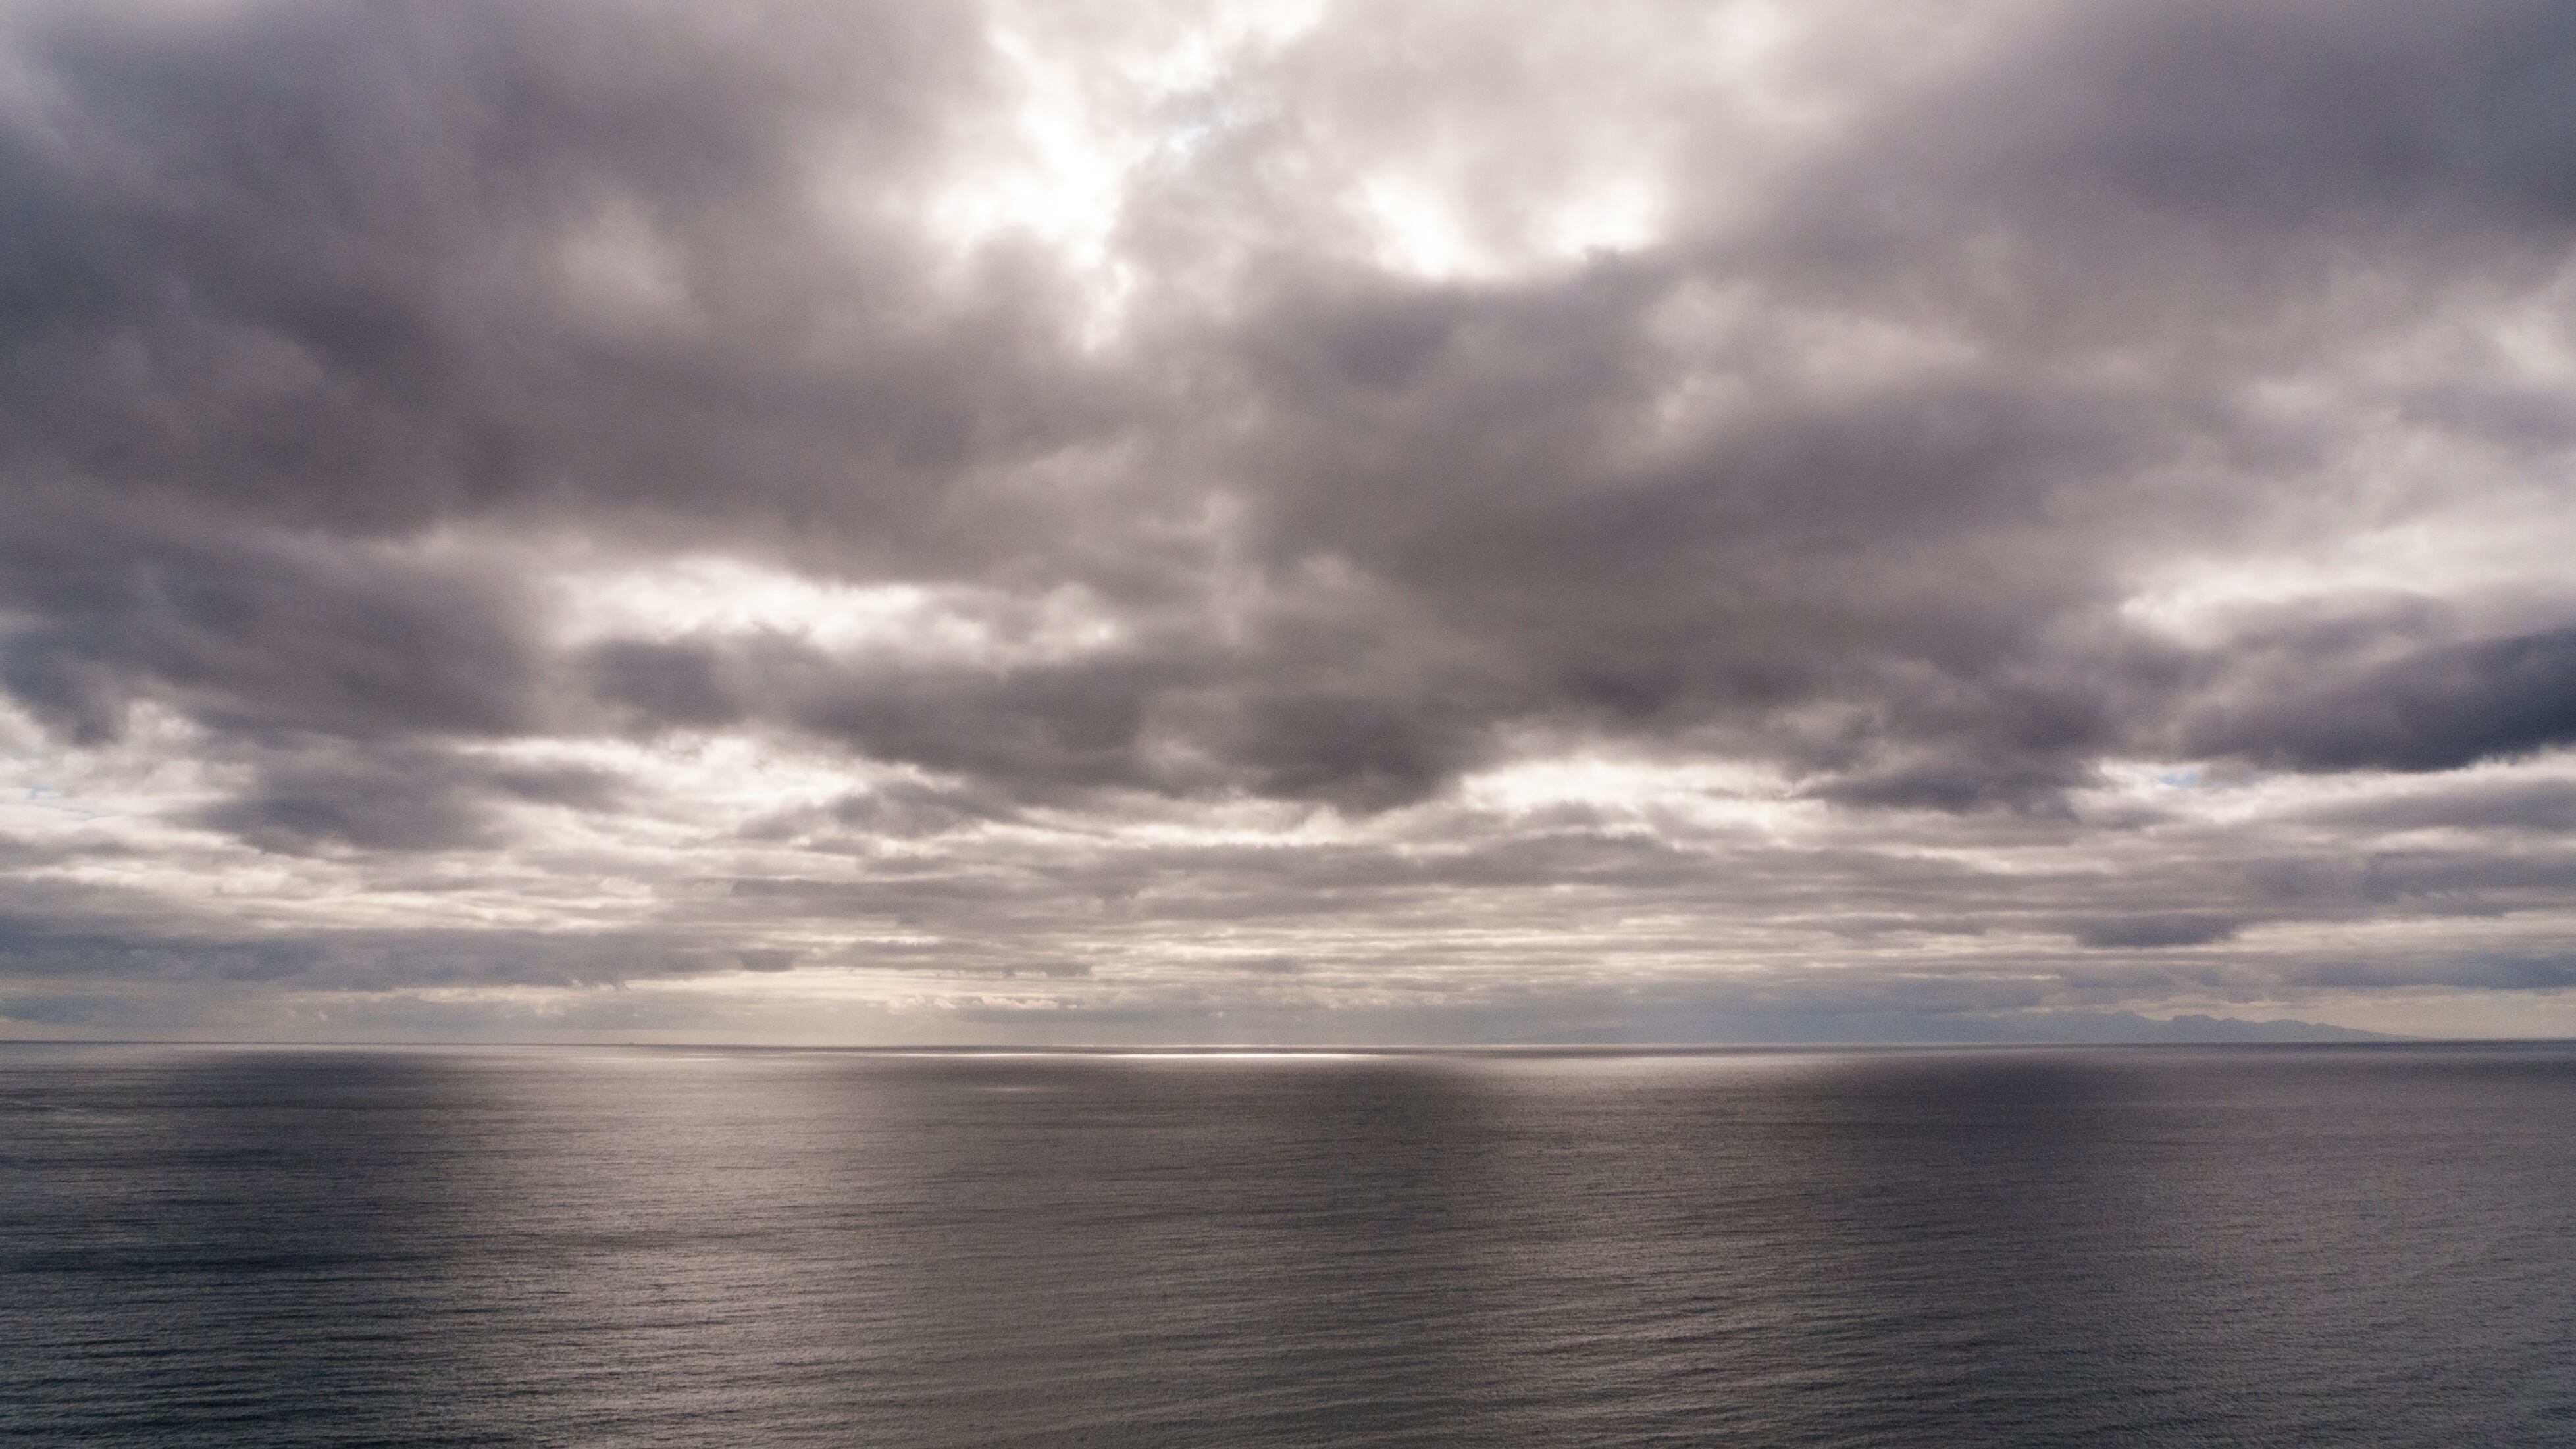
x=1285, y=522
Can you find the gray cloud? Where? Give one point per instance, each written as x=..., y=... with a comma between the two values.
x=254, y=635
x=314, y=798
x=2051, y=508
x=2153, y=931
x=2435, y=708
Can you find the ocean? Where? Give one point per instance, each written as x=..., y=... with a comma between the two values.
x=2313, y=1245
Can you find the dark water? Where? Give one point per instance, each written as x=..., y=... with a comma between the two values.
x=2293, y=1246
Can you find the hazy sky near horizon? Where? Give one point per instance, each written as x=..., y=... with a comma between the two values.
x=1135, y=521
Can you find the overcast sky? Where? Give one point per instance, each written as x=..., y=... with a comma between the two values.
x=1164, y=522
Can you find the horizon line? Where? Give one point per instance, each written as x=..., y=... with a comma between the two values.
x=1297, y=1048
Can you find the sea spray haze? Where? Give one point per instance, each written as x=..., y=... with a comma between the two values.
x=881, y=521
x=2363, y=1245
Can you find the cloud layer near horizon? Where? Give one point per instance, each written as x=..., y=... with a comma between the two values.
x=931, y=521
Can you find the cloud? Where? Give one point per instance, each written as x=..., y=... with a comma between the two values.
x=1795, y=513
x=2542, y=807
x=2149, y=932
x=311, y=799
x=2436, y=708
x=254, y=634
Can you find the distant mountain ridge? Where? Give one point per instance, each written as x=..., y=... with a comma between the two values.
x=2106, y=1028
x=2129, y=1026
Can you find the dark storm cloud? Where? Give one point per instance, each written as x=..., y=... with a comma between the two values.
x=664, y=685
x=2436, y=708
x=345, y=960
x=1924, y=564
x=1035, y=727
x=306, y=262
x=253, y=634
x=277, y=280
x=345, y=345
x=2544, y=808
x=319, y=798
x=2153, y=931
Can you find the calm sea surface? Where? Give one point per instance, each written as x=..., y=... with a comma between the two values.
x=2234, y=1245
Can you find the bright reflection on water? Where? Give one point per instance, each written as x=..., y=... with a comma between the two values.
x=2167, y=1246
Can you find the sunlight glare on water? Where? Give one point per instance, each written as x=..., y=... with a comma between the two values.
x=573, y=1246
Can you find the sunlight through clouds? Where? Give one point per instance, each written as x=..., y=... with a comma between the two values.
x=1151, y=521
